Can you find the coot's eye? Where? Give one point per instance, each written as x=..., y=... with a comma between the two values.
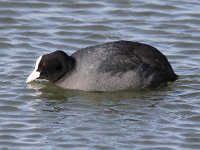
x=41, y=65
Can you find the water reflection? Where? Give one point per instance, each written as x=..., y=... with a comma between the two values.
x=136, y=97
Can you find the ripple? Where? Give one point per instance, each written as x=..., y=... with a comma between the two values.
x=9, y=109
x=84, y=5
x=5, y=45
x=6, y=20
x=12, y=102
x=165, y=7
x=30, y=5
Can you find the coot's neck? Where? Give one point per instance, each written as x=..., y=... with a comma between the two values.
x=67, y=67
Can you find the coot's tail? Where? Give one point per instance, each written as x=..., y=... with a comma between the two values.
x=173, y=77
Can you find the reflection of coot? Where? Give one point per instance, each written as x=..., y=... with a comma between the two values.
x=106, y=67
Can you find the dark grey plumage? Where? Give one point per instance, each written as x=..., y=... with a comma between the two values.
x=117, y=66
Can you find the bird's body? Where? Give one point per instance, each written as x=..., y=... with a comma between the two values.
x=117, y=66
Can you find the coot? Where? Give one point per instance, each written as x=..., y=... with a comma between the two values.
x=110, y=66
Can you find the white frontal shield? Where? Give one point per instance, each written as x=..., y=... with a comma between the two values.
x=35, y=74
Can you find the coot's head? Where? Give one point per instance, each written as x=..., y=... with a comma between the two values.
x=52, y=66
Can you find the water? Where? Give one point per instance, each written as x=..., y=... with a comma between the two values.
x=43, y=116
